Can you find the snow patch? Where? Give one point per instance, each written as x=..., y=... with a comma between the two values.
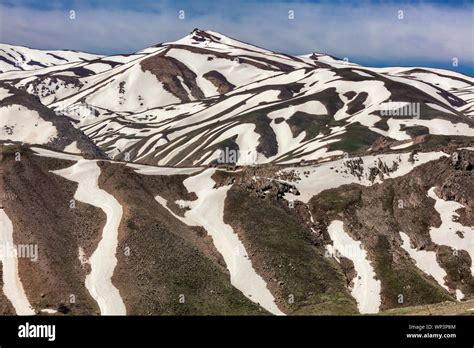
x=12, y=286
x=103, y=261
x=446, y=234
x=436, y=126
x=72, y=148
x=18, y=123
x=402, y=146
x=425, y=260
x=332, y=174
x=366, y=289
x=49, y=311
x=208, y=211
x=4, y=93
x=152, y=170
x=39, y=151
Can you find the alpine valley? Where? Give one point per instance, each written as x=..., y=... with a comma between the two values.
x=210, y=176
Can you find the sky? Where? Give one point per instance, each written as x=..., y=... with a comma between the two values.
x=373, y=33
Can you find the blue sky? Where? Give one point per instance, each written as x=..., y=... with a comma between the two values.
x=431, y=33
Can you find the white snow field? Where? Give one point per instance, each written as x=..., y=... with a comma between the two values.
x=366, y=289
x=32, y=59
x=4, y=93
x=39, y=151
x=152, y=170
x=446, y=234
x=72, y=148
x=436, y=126
x=18, y=123
x=12, y=285
x=208, y=211
x=425, y=260
x=102, y=261
x=324, y=176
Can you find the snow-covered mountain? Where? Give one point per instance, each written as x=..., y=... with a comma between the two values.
x=23, y=58
x=209, y=175
x=182, y=103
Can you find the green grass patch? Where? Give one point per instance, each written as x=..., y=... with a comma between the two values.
x=356, y=138
x=279, y=244
x=403, y=279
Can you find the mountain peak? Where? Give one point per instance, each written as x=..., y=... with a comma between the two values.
x=197, y=31
x=211, y=39
x=199, y=37
x=204, y=35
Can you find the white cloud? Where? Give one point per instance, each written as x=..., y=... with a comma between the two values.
x=368, y=31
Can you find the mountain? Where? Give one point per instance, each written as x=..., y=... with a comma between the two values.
x=181, y=103
x=40, y=125
x=212, y=176
x=24, y=58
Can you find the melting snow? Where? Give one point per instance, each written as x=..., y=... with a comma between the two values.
x=324, y=176
x=49, y=311
x=72, y=148
x=103, y=261
x=440, y=108
x=435, y=126
x=55, y=154
x=402, y=146
x=4, y=93
x=208, y=211
x=459, y=295
x=425, y=260
x=152, y=170
x=366, y=289
x=18, y=123
x=446, y=234
x=12, y=286
x=361, y=73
